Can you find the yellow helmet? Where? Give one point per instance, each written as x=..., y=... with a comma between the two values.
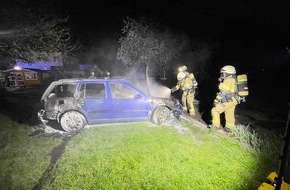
x=181, y=75
x=228, y=69
x=182, y=68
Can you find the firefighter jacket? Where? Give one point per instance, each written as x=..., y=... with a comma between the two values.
x=227, y=91
x=188, y=83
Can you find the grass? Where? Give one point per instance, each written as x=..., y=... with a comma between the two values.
x=136, y=156
x=262, y=142
x=23, y=159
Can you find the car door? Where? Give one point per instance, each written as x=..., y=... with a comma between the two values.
x=95, y=102
x=58, y=98
x=128, y=103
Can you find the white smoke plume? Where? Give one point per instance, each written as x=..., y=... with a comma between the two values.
x=152, y=88
x=158, y=90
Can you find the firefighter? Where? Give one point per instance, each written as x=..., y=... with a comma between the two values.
x=225, y=101
x=188, y=84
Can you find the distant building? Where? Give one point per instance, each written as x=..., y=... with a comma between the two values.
x=46, y=72
x=22, y=78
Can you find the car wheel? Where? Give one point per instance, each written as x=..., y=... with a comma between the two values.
x=160, y=115
x=72, y=121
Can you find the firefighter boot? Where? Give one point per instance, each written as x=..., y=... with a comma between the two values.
x=228, y=130
x=184, y=108
x=214, y=127
x=191, y=112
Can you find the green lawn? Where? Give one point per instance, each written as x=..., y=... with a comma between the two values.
x=23, y=159
x=137, y=156
x=132, y=156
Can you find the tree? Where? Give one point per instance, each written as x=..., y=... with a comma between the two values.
x=32, y=35
x=103, y=55
x=146, y=42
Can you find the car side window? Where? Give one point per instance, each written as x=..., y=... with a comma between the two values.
x=93, y=90
x=121, y=91
x=64, y=90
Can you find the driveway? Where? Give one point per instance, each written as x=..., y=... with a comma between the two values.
x=21, y=104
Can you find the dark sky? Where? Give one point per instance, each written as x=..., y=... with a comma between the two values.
x=245, y=30
x=247, y=23
x=241, y=28
x=240, y=24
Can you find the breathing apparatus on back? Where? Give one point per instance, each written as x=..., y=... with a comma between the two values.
x=182, y=78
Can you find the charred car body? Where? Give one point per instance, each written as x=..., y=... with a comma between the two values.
x=74, y=103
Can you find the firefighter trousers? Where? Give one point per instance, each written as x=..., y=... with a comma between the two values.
x=187, y=101
x=229, y=109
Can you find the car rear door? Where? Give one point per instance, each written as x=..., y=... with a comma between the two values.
x=95, y=102
x=128, y=103
x=58, y=98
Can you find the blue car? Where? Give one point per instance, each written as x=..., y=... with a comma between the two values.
x=74, y=103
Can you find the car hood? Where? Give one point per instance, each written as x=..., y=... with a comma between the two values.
x=172, y=103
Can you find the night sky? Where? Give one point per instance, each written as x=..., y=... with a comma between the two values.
x=254, y=32
x=260, y=24
x=239, y=27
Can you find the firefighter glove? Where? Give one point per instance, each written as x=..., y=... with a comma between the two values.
x=216, y=101
x=192, y=90
x=173, y=90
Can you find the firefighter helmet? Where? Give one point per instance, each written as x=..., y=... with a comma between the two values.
x=228, y=69
x=181, y=75
x=182, y=68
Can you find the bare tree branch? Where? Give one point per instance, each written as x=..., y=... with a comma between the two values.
x=37, y=36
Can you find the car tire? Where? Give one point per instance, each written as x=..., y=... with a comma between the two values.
x=72, y=121
x=160, y=115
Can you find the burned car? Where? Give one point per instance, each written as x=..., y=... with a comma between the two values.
x=74, y=103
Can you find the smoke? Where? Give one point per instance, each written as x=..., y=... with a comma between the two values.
x=138, y=78
x=158, y=90
x=103, y=56
x=197, y=58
